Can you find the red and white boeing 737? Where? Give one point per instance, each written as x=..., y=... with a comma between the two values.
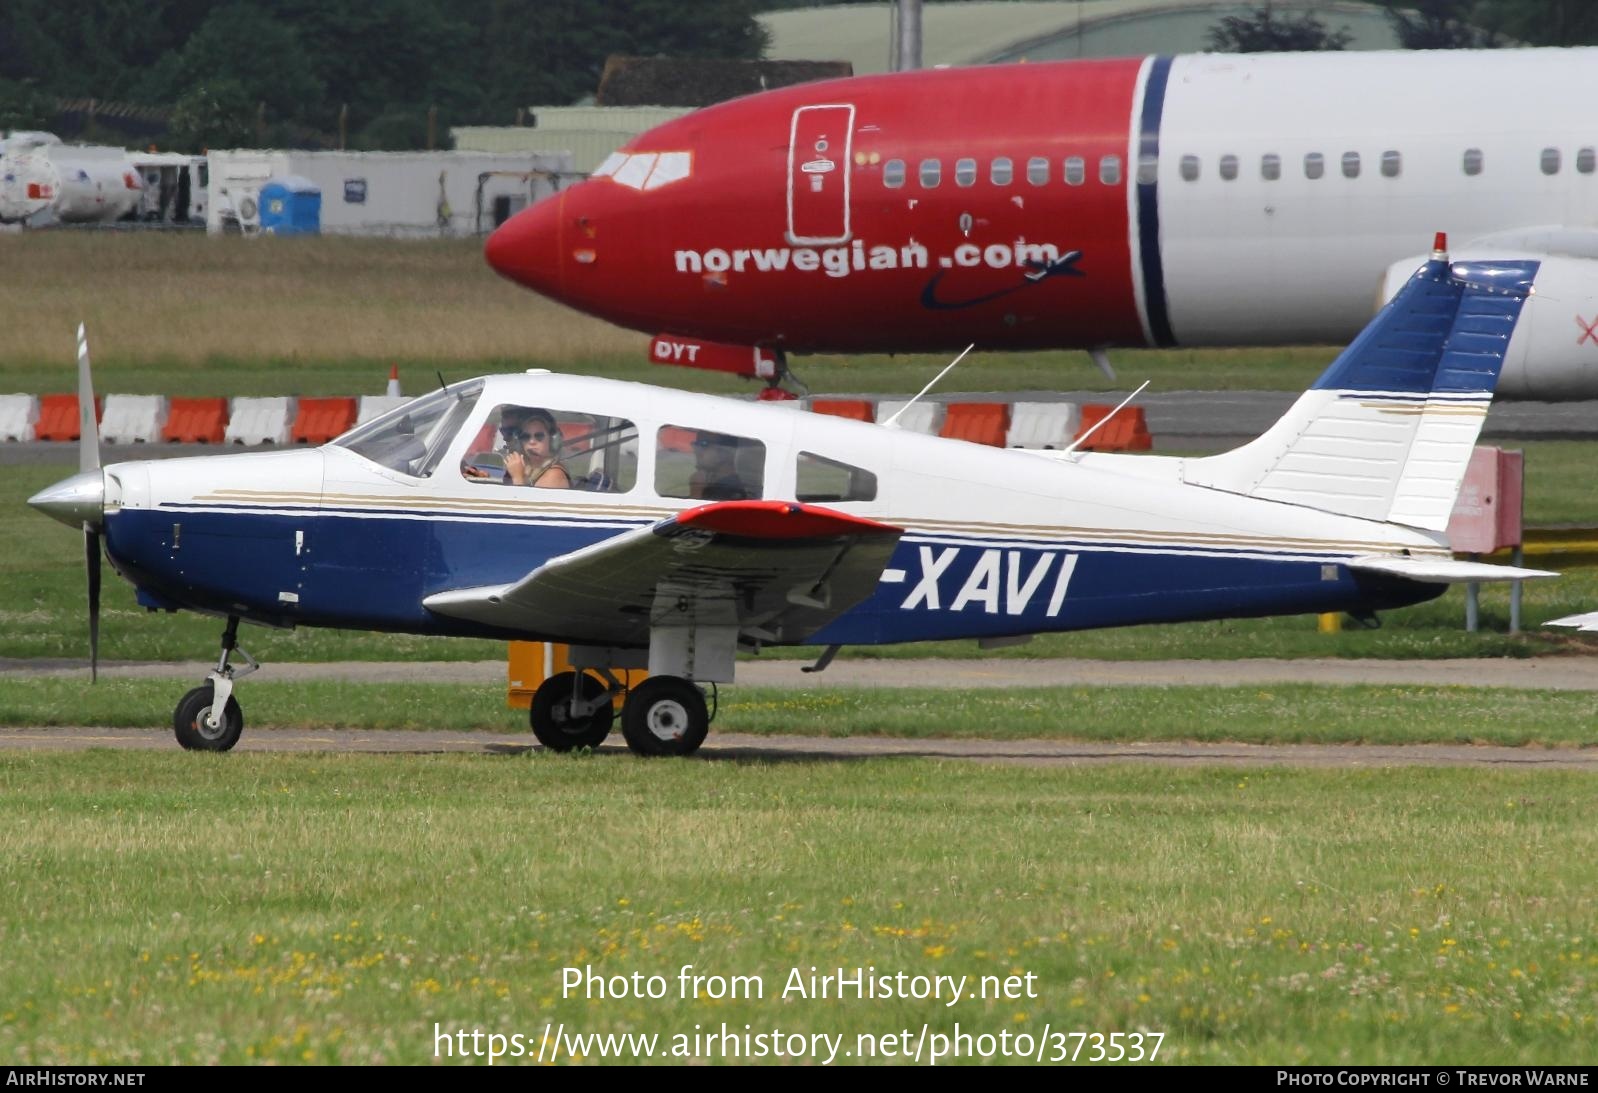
x=1156, y=201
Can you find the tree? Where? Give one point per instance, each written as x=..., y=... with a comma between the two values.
x=1266, y=31
x=1444, y=24
x=23, y=107
x=1549, y=22
x=216, y=114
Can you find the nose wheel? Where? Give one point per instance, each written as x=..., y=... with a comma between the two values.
x=209, y=718
x=664, y=716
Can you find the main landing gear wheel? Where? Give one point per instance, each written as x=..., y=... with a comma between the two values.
x=190, y=721
x=551, y=713
x=665, y=715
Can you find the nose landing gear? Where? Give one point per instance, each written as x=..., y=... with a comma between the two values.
x=209, y=718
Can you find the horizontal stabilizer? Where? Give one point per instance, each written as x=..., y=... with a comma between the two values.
x=1445, y=570
x=1587, y=622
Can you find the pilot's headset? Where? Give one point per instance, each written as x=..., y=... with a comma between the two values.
x=543, y=417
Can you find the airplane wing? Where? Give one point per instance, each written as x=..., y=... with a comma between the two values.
x=1586, y=623
x=777, y=570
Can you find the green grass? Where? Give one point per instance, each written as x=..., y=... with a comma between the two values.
x=1276, y=714
x=184, y=314
x=176, y=908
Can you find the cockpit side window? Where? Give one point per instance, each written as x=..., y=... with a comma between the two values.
x=413, y=438
x=708, y=466
x=553, y=448
x=822, y=479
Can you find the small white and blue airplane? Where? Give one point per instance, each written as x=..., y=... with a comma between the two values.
x=658, y=529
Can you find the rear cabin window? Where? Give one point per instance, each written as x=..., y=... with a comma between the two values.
x=553, y=449
x=708, y=466
x=1228, y=167
x=1314, y=165
x=1586, y=159
x=931, y=173
x=1002, y=172
x=1110, y=170
x=1472, y=161
x=965, y=172
x=1350, y=164
x=893, y=174
x=1037, y=171
x=1076, y=171
x=1270, y=166
x=1190, y=168
x=1148, y=170
x=1392, y=164
x=822, y=479
x=1550, y=161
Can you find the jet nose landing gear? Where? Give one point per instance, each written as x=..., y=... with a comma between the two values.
x=209, y=718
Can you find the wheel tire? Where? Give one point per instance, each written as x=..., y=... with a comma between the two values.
x=665, y=715
x=550, y=715
x=188, y=722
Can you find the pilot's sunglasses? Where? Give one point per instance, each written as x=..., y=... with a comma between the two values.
x=518, y=435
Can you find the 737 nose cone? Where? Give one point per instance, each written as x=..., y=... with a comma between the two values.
x=528, y=248
x=74, y=501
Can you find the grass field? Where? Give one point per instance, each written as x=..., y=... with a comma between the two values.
x=182, y=908
x=186, y=314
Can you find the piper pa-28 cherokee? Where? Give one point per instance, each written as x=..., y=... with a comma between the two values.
x=1157, y=201
x=689, y=526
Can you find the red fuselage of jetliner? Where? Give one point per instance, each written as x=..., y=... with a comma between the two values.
x=1152, y=201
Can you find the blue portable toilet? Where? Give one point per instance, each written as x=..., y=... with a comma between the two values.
x=291, y=205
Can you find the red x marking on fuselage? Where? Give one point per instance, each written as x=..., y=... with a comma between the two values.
x=1589, y=331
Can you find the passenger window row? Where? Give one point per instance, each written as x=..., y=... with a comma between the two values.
x=1002, y=171
x=1391, y=165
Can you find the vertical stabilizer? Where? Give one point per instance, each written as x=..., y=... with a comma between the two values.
x=1387, y=430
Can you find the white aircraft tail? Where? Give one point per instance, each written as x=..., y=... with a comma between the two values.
x=1387, y=430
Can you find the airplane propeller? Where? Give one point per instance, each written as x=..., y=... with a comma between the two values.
x=88, y=461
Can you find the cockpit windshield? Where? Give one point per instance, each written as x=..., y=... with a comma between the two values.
x=413, y=438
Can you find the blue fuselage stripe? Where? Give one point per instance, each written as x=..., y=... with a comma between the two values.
x=1148, y=204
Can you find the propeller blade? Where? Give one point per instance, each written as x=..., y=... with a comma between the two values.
x=91, y=556
x=88, y=426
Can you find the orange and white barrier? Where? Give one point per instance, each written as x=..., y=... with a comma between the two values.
x=260, y=421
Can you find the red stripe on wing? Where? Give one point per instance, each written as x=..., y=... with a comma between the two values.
x=779, y=520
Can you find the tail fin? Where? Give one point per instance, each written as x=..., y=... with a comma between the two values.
x=1387, y=430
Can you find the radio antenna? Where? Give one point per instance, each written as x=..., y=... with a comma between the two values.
x=893, y=422
x=1102, y=422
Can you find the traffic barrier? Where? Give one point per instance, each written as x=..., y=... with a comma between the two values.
x=1046, y=426
x=854, y=409
x=921, y=417
x=260, y=420
x=195, y=421
x=1127, y=431
x=58, y=417
x=978, y=422
x=133, y=419
x=322, y=419
x=18, y=415
x=374, y=406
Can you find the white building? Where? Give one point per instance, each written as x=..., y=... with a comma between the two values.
x=387, y=193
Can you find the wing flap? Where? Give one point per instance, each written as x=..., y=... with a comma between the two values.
x=774, y=570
